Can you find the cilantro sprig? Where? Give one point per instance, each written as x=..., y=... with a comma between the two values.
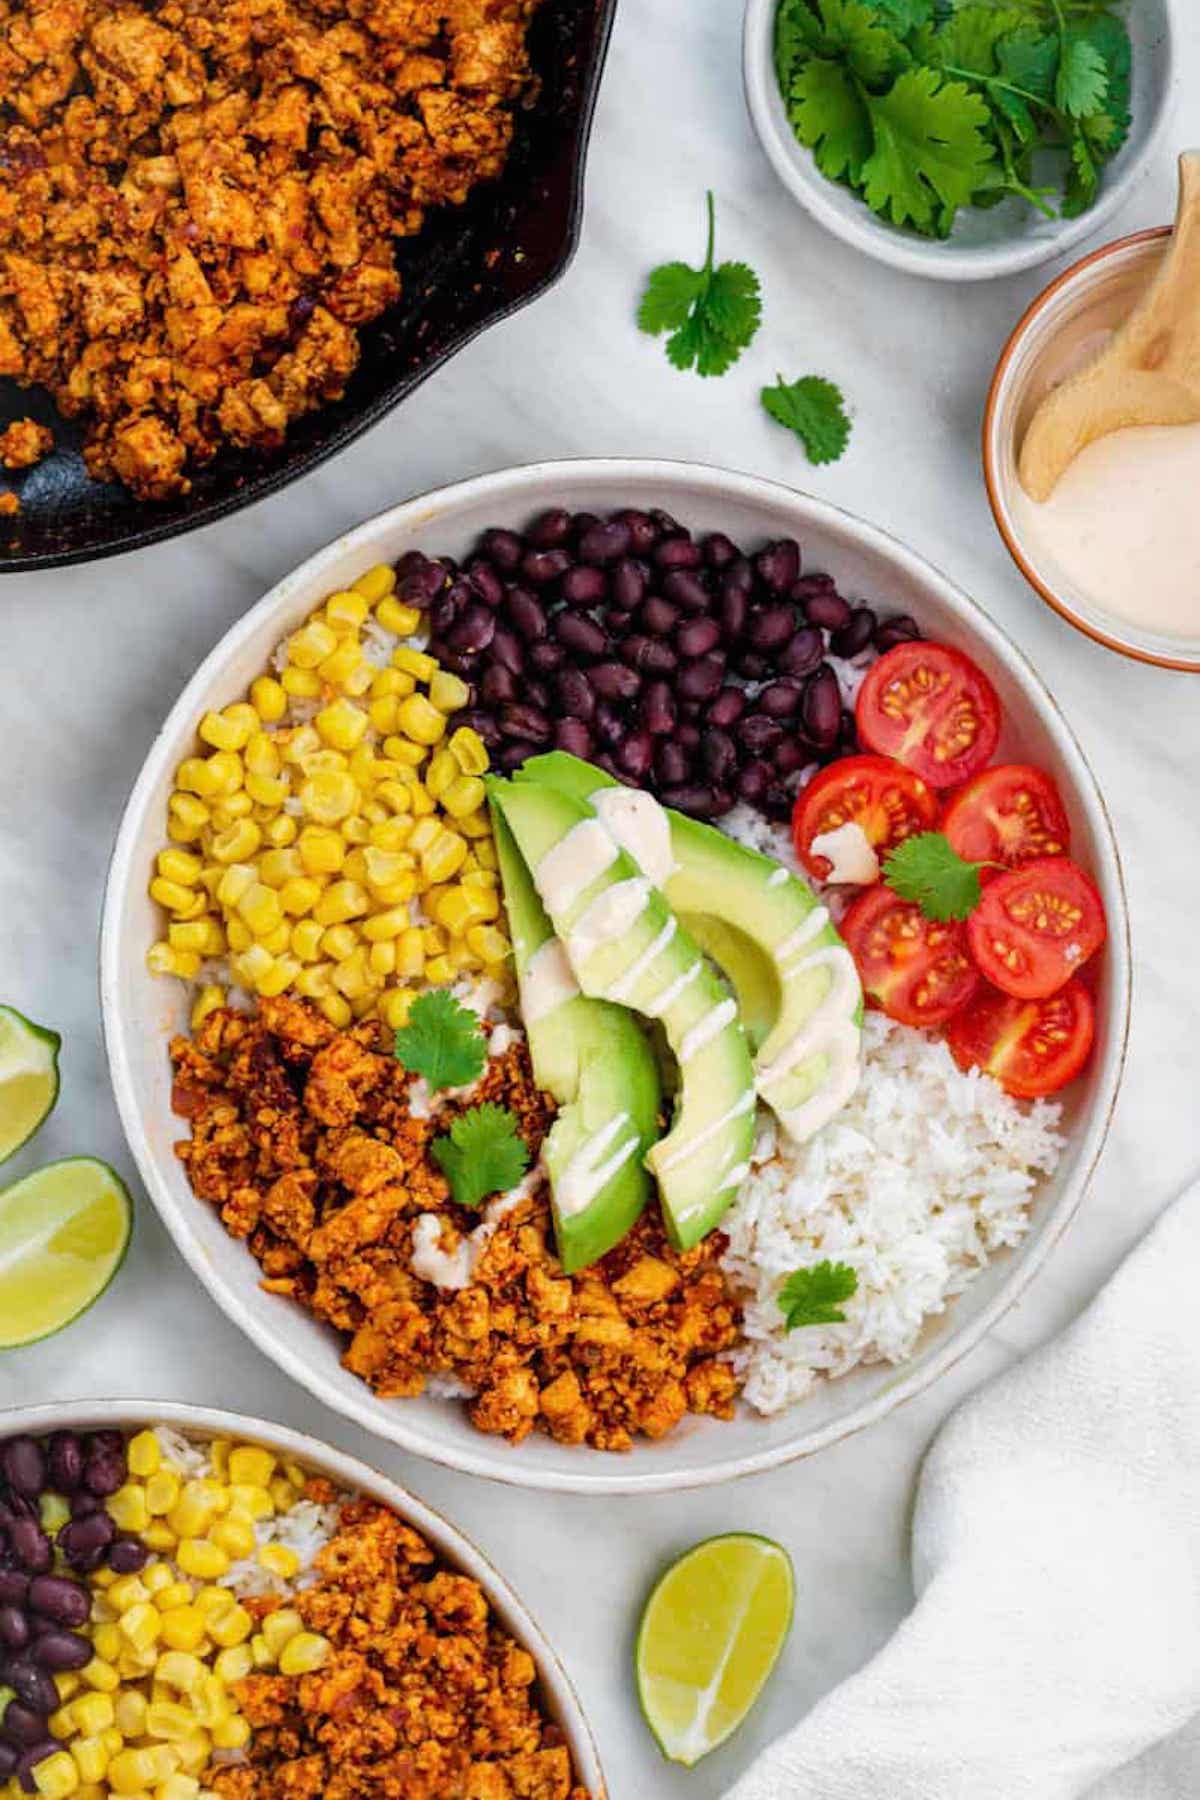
x=815, y=1296
x=482, y=1154
x=923, y=109
x=712, y=312
x=442, y=1041
x=815, y=410
x=928, y=871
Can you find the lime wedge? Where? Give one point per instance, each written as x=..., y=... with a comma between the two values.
x=64, y=1231
x=28, y=1078
x=710, y=1636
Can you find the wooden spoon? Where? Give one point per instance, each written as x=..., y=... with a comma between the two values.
x=1149, y=374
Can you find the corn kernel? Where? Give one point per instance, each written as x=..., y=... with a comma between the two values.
x=195, y=776
x=376, y=582
x=469, y=751
x=466, y=795
x=444, y=857
x=306, y=940
x=488, y=944
x=336, y=1009
x=56, y=1776
x=279, y=1559
x=280, y=1627
x=231, y=1734
x=440, y=971
x=311, y=644
x=210, y=1702
x=281, y=831
x=228, y=809
x=141, y=1625
x=233, y=1664
x=348, y=608
x=268, y=699
x=381, y=960
x=201, y=1558
x=180, y=1670
x=167, y=1719
x=213, y=1601
x=419, y=720
x=159, y=1536
x=179, y=866
x=447, y=692
x=398, y=795
x=106, y=1641
x=162, y=1491
x=131, y=1771
x=403, y=750
x=387, y=682
x=129, y=1709
x=352, y=977
x=226, y=769
x=188, y=817
x=231, y=729
x=170, y=1595
x=194, y=1511
x=178, y=1787
x=252, y=1498
x=394, y=1008
x=101, y=1675
x=235, y=1534
x=341, y=901
x=301, y=684
x=410, y=953
x=340, y=668
x=170, y=894
x=314, y=981
x=395, y=616
x=127, y=1591
x=382, y=713
x=231, y=1628
x=91, y=1759
x=342, y=725
x=195, y=1752
x=184, y=1628
x=127, y=1508
x=237, y=842
x=329, y=796
x=440, y=772
x=303, y=1653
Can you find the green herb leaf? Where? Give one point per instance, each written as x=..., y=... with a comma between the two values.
x=711, y=313
x=904, y=16
x=815, y=410
x=829, y=113
x=1081, y=85
x=483, y=1154
x=929, y=149
x=442, y=1041
x=814, y=1296
x=928, y=870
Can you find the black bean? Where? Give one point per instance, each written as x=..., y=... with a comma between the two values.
x=525, y=722
x=459, y=662
x=550, y=529
x=615, y=681
x=829, y=611
x=584, y=586
x=727, y=708
x=777, y=803
x=484, y=581
x=541, y=567
x=59, y=1599
x=605, y=543
x=30, y=1545
x=608, y=724
x=14, y=1587
x=898, y=630
x=734, y=608
x=573, y=735
x=758, y=735
x=657, y=709
x=847, y=732
x=718, y=550
x=658, y=616
x=676, y=553
x=803, y=651
x=14, y=1628
x=635, y=755
x=504, y=548
x=753, y=779
x=604, y=761
x=23, y=1466
x=22, y=1725
x=526, y=613
x=671, y=764
x=701, y=679
x=718, y=754
x=752, y=665
x=83, y=1536
x=644, y=533
x=513, y=755
x=536, y=693
x=778, y=565
x=574, y=694
x=780, y=700
x=684, y=588
x=853, y=640
x=668, y=525
x=692, y=798
x=546, y=658
x=506, y=649
x=59, y=1651
x=628, y=583
x=770, y=627
x=689, y=736
x=580, y=635
x=475, y=629
x=8, y=1760
x=29, y=1761
x=821, y=708
x=792, y=755
x=483, y=723
x=583, y=521
x=32, y=1686
x=418, y=580
x=125, y=1557
x=648, y=655
x=443, y=613
x=697, y=637
x=83, y=1503
x=65, y=1459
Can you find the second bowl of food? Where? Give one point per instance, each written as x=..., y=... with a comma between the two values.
x=484, y=958
x=201, y=1604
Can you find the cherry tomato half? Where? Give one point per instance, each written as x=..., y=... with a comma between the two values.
x=887, y=801
x=917, y=970
x=1036, y=926
x=1008, y=814
x=932, y=709
x=1032, y=1047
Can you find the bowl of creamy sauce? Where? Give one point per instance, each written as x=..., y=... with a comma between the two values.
x=1116, y=547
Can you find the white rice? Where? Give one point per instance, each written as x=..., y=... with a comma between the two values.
x=917, y=1181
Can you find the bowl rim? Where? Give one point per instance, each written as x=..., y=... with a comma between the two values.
x=991, y=451
x=935, y=259
x=517, y=485
x=450, y=1541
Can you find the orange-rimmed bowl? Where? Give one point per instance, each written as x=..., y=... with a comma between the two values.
x=1092, y=297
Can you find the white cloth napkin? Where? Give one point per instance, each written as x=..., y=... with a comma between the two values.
x=1056, y=1560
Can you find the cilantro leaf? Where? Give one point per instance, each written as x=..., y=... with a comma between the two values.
x=904, y=15
x=929, y=148
x=711, y=313
x=814, y=1296
x=797, y=31
x=829, y=114
x=815, y=410
x=1081, y=85
x=1083, y=177
x=442, y=1041
x=482, y=1154
x=927, y=870
x=1029, y=61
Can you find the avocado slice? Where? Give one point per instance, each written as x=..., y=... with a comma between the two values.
x=796, y=983
x=625, y=946
x=595, y=1062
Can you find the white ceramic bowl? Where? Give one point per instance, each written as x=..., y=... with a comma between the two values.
x=560, y=1702
x=1093, y=296
x=985, y=242
x=141, y=1010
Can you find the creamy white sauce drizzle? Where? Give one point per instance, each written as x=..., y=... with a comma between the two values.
x=706, y=1029
x=804, y=934
x=850, y=854
x=661, y=1003
x=588, y=1171
x=833, y=1012
x=640, y=826
x=548, y=981
x=777, y=877
x=735, y=1177
x=569, y=869
x=843, y=1046
x=610, y=915
x=447, y=1269
x=739, y=1108
x=625, y=984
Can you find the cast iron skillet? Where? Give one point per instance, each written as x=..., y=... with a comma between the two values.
x=471, y=266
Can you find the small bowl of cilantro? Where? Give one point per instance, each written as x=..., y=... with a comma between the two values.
x=959, y=139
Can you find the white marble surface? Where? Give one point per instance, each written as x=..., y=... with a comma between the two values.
x=94, y=656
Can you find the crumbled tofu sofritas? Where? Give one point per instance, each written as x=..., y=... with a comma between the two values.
x=24, y=443
x=199, y=202
x=303, y=1137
